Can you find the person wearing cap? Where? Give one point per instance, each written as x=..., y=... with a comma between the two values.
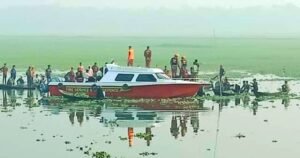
x=130, y=56
x=174, y=65
x=147, y=55
x=4, y=70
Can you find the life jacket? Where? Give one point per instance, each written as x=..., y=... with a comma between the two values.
x=131, y=54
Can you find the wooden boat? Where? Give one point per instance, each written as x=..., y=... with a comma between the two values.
x=269, y=94
x=24, y=87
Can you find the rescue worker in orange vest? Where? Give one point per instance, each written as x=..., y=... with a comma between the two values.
x=130, y=56
x=130, y=136
x=147, y=55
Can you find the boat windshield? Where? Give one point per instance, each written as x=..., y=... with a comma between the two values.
x=162, y=76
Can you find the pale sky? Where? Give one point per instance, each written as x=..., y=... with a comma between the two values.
x=138, y=4
x=232, y=18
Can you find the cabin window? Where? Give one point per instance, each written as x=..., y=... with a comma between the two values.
x=162, y=76
x=146, y=78
x=124, y=77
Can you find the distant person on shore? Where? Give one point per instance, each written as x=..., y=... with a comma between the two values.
x=13, y=74
x=285, y=87
x=130, y=56
x=174, y=65
x=20, y=81
x=80, y=68
x=148, y=55
x=4, y=70
x=48, y=73
x=95, y=69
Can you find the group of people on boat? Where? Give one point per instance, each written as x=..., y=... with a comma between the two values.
x=223, y=85
x=182, y=66
x=33, y=79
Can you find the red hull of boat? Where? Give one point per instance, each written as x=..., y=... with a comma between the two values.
x=146, y=91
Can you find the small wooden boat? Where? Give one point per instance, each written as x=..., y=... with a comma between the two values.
x=269, y=94
x=22, y=87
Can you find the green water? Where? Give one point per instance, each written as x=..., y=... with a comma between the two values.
x=265, y=56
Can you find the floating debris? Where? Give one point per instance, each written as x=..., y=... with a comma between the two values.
x=240, y=136
x=274, y=141
x=67, y=142
x=23, y=127
x=70, y=150
x=108, y=142
x=265, y=120
x=123, y=138
x=147, y=154
x=144, y=135
x=101, y=154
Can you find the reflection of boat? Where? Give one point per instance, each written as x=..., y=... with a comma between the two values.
x=269, y=94
x=8, y=87
x=132, y=82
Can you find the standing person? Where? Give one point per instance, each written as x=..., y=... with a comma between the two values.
x=285, y=87
x=183, y=70
x=80, y=68
x=32, y=72
x=48, y=73
x=28, y=75
x=221, y=74
x=13, y=74
x=147, y=55
x=174, y=65
x=254, y=86
x=4, y=70
x=95, y=69
x=130, y=56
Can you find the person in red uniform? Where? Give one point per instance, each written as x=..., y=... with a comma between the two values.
x=130, y=56
x=147, y=55
x=4, y=70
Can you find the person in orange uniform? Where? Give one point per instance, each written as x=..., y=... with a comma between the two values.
x=130, y=136
x=147, y=55
x=130, y=56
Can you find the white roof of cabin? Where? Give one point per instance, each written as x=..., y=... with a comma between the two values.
x=117, y=68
